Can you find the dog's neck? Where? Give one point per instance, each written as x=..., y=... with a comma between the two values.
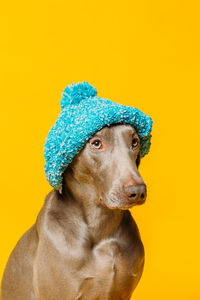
x=102, y=222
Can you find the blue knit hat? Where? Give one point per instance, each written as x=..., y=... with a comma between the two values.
x=82, y=115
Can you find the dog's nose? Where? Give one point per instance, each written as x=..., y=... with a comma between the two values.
x=136, y=192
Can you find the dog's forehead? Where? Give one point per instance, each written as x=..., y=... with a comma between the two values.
x=108, y=130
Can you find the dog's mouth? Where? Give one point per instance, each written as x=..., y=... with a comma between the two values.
x=103, y=203
x=123, y=205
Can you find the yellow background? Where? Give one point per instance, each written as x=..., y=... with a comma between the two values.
x=140, y=53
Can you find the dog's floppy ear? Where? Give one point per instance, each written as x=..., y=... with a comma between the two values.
x=138, y=159
x=60, y=189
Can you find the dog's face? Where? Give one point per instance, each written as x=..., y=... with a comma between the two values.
x=108, y=164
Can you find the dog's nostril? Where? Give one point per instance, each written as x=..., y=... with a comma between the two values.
x=142, y=195
x=132, y=195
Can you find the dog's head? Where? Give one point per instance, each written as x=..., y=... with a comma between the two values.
x=106, y=169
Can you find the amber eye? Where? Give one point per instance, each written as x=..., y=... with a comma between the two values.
x=97, y=144
x=135, y=142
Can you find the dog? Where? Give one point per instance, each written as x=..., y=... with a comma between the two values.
x=85, y=245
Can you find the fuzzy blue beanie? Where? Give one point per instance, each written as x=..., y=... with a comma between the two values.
x=82, y=114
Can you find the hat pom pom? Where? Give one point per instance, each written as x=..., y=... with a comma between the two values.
x=75, y=93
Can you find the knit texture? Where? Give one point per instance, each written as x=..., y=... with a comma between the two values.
x=82, y=114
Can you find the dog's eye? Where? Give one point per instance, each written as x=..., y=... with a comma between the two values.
x=97, y=144
x=135, y=142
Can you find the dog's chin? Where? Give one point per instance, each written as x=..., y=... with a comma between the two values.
x=122, y=206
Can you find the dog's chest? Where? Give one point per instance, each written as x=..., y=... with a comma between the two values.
x=111, y=273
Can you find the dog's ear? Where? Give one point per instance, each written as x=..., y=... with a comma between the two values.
x=60, y=190
x=138, y=159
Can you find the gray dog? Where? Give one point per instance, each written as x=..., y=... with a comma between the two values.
x=85, y=244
